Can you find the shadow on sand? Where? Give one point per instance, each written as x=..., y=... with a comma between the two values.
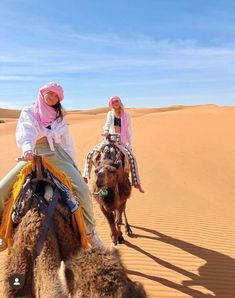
x=217, y=274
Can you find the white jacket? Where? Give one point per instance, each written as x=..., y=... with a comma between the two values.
x=109, y=126
x=28, y=131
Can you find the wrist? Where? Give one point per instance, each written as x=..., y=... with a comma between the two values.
x=27, y=147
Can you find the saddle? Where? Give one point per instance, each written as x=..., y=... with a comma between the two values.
x=42, y=185
x=42, y=191
x=113, y=151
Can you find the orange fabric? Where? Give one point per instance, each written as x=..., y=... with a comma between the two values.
x=78, y=225
x=6, y=228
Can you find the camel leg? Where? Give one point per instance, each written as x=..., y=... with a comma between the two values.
x=118, y=221
x=127, y=226
x=111, y=220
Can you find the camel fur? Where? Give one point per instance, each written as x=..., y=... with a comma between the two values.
x=41, y=272
x=97, y=273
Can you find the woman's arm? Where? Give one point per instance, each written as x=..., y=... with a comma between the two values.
x=26, y=131
x=108, y=122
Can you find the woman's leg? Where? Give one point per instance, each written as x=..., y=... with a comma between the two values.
x=88, y=164
x=133, y=164
x=6, y=184
x=90, y=159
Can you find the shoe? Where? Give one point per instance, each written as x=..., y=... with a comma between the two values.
x=95, y=240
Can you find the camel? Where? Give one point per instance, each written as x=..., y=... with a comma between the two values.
x=39, y=272
x=111, y=188
x=40, y=267
x=97, y=273
x=38, y=262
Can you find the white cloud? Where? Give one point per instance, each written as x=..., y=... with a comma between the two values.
x=16, y=78
x=116, y=60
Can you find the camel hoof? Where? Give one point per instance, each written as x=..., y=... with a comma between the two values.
x=121, y=240
x=129, y=232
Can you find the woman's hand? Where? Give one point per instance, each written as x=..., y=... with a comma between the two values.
x=27, y=156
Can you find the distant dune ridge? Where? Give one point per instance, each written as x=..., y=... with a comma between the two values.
x=184, y=231
x=6, y=113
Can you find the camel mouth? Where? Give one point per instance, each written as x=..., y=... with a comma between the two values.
x=100, y=185
x=107, y=197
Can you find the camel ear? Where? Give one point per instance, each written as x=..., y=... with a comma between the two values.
x=69, y=276
x=66, y=278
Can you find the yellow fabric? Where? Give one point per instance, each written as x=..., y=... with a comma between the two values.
x=6, y=228
x=60, y=175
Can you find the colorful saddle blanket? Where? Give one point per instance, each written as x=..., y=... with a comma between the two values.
x=17, y=206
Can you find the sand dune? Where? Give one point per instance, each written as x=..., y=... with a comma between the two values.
x=5, y=113
x=183, y=243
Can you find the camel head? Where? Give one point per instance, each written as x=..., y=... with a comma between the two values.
x=97, y=273
x=106, y=174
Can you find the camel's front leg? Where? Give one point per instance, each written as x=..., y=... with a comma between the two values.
x=118, y=221
x=111, y=220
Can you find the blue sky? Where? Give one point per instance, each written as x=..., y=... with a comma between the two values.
x=151, y=53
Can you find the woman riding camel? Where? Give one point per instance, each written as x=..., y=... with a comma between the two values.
x=118, y=121
x=42, y=129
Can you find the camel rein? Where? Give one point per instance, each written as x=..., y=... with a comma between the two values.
x=104, y=191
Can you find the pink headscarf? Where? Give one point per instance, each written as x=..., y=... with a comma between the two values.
x=44, y=113
x=124, y=121
x=112, y=99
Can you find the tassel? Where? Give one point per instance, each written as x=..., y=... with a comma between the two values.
x=6, y=229
x=78, y=225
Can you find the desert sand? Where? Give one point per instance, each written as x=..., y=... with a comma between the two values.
x=184, y=230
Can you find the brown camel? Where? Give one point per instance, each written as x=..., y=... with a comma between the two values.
x=97, y=273
x=111, y=189
x=37, y=262
x=40, y=272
